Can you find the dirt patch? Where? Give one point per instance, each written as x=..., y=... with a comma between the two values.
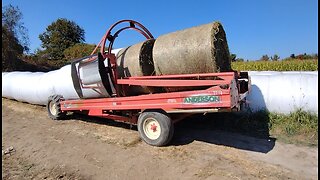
x=16, y=167
x=94, y=148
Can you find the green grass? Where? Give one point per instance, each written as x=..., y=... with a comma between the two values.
x=298, y=127
x=284, y=65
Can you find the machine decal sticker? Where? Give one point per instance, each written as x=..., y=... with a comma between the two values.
x=201, y=99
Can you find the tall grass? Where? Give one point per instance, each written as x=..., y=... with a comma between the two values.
x=298, y=127
x=284, y=65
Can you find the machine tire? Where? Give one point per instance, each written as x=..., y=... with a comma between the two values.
x=155, y=128
x=54, y=108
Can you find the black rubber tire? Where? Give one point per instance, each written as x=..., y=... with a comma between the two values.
x=166, y=125
x=54, y=100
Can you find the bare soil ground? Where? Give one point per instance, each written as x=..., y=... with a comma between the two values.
x=36, y=147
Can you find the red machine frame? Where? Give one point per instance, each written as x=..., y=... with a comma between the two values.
x=223, y=91
x=224, y=94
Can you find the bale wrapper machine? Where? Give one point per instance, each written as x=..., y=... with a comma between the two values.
x=154, y=113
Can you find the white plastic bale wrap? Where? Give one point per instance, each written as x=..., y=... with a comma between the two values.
x=284, y=92
x=35, y=88
x=24, y=85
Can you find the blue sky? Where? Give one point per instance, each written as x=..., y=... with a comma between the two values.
x=253, y=27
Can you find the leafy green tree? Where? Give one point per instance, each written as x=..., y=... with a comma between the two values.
x=78, y=51
x=14, y=37
x=265, y=58
x=233, y=57
x=59, y=36
x=275, y=57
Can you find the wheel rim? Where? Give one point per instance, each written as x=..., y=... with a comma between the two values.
x=151, y=128
x=53, y=108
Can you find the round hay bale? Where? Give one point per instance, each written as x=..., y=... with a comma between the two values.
x=200, y=49
x=136, y=60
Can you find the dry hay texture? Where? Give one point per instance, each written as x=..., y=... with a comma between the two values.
x=200, y=49
x=136, y=60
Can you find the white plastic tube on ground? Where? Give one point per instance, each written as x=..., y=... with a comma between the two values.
x=284, y=92
x=35, y=88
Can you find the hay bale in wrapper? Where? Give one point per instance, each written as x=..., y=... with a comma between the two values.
x=200, y=49
x=136, y=60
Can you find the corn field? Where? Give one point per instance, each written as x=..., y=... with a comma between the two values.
x=284, y=65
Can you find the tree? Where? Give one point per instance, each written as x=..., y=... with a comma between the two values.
x=14, y=37
x=78, y=51
x=264, y=58
x=11, y=49
x=11, y=21
x=233, y=57
x=275, y=57
x=292, y=56
x=59, y=36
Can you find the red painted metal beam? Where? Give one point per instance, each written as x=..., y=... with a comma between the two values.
x=223, y=75
x=216, y=90
x=171, y=83
x=166, y=101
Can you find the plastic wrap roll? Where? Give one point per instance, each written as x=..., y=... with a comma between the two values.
x=284, y=92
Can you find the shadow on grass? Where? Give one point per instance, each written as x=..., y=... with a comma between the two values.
x=247, y=131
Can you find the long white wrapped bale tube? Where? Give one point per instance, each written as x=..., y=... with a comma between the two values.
x=284, y=92
x=35, y=88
